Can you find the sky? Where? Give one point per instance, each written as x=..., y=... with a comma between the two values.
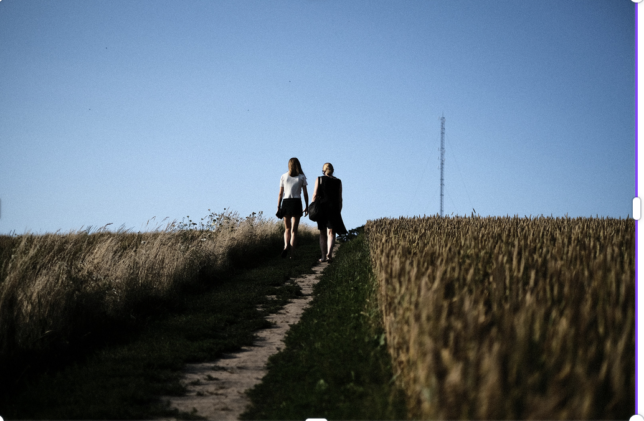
x=119, y=111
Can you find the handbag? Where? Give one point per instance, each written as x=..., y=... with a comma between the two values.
x=280, y=213
x=315, y=208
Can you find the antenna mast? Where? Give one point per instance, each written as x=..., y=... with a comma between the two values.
x=442, y=160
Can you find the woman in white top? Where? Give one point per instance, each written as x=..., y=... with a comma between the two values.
x=291, y=184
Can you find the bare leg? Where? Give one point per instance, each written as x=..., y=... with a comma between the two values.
x=323, y=245
x=287, y=234
x=294, y=223
x=330, y=242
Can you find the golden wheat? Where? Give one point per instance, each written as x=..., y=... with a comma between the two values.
x=497, y=318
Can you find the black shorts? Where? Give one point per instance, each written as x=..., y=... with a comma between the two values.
x=292, y=207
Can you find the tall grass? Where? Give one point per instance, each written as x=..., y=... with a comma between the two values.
x=498, y=318
x=55, y=285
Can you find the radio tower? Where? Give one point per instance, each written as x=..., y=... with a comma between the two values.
x=442, y=160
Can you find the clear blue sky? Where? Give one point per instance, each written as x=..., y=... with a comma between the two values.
x=117, y=111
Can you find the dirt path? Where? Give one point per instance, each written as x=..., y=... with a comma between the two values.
x=216, y=389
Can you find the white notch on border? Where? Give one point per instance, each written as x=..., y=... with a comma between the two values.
x=637, y=208
x=324, y=419
x=636, y=417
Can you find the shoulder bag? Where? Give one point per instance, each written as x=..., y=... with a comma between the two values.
x=315, y=208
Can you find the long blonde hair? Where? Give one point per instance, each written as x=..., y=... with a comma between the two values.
x=327, y=167
x=294, y=167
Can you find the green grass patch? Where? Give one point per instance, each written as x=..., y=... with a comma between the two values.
x=335, y=364
x=119, y=371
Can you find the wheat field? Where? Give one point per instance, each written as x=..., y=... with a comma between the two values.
x=509, y=318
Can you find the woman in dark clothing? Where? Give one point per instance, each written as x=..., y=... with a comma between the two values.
x=329, y=190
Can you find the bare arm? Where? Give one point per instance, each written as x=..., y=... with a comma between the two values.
x=306, y=200
x=315, y=190
x=279, y=198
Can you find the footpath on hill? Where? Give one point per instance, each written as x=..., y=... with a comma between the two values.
x=216, y=390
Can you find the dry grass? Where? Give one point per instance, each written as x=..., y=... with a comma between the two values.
x=52, y=284
x=498, y=318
